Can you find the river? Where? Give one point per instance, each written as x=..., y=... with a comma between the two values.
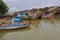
x=42, y=29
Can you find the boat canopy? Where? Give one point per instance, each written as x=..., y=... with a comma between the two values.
x=16, y=19
x=22, y=15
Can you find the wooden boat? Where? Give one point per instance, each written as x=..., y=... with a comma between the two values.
x=14, y=26
x=47, y=16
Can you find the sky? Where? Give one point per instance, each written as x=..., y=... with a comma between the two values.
x=16, y=5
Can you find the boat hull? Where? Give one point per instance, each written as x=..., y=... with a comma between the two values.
x=14, y=27
x=47, y=16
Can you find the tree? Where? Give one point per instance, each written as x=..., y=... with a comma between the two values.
x=3, y=8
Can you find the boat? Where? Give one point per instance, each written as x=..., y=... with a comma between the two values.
x=46, y=16
x=14, y=26
x=22, y=15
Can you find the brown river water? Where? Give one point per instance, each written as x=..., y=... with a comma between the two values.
x=42, y=29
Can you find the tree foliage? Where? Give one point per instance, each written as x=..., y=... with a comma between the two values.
x=3, y=8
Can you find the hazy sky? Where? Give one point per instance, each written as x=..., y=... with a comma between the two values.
x=15, y=5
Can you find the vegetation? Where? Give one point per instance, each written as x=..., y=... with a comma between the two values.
x=3, y=8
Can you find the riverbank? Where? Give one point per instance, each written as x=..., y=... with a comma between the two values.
x=36, y=13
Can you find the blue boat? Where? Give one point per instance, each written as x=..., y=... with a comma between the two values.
x=14, y=26
x=22, y=15
x=16, y=19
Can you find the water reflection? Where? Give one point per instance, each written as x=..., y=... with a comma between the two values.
x=3, y=32
x=36, y=25
x=42, y=29
x=51, y=21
